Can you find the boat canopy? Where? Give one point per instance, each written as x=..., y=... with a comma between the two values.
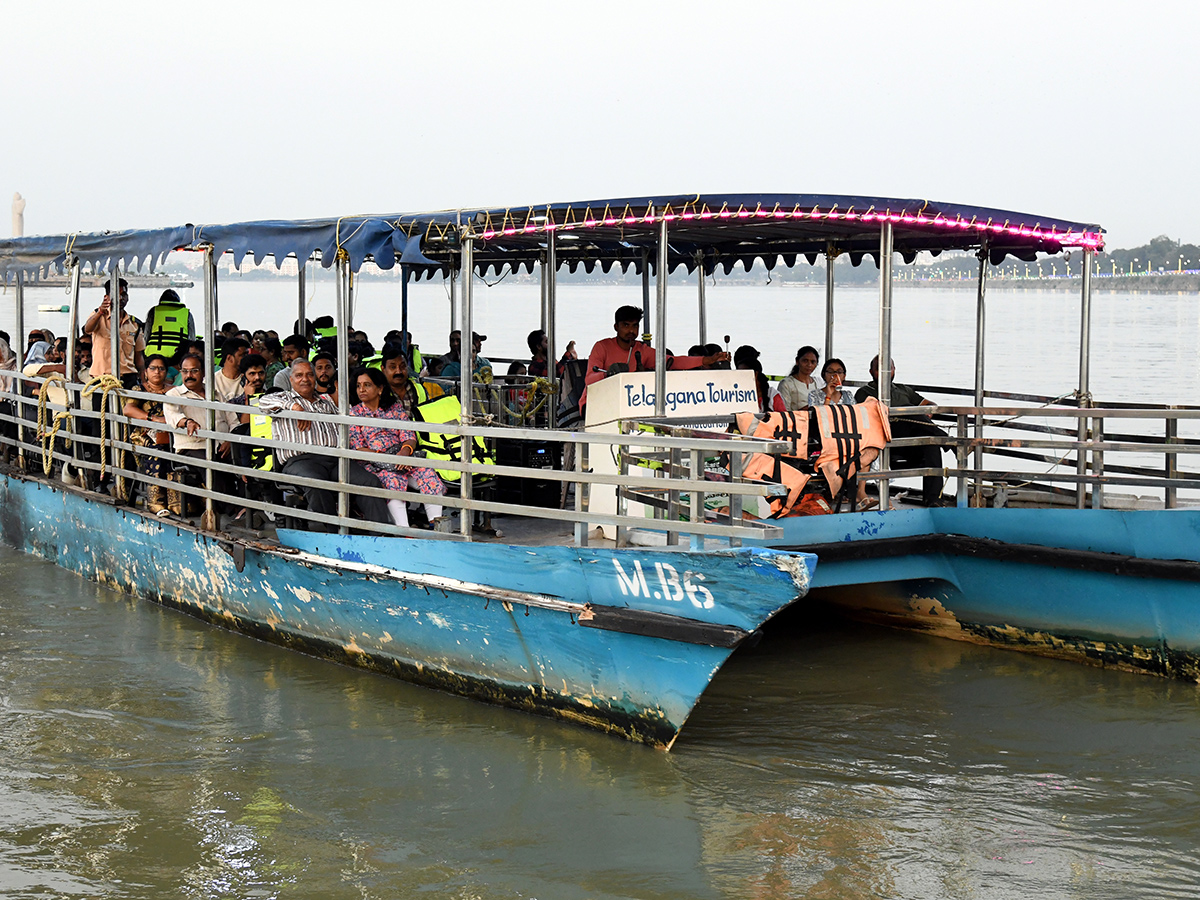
x=713, y=231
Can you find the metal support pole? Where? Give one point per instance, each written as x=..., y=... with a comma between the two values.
x=1085, y=348
x=210, y=416
x=885, y=344
x=660, y=345
x=1171, y=496
x=115, y=317
x=701, y=300
x=542, y=284
x=647, y=330
x=343, y=385
x=466, y=378
x=551, y=286
x=302, y=300
x=830, y=257
x=737, y=461
x=403, y=315
x=73, y=375
x=979, y=348
x=19, y=348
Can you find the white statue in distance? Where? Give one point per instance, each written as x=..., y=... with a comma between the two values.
x=18, y=215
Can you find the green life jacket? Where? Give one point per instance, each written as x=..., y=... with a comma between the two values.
x=260, y=427
x=374, y=362
x=316, y=344
x=168, y=327
x=446, y=410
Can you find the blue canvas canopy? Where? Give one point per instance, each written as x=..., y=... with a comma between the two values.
x=713, y=231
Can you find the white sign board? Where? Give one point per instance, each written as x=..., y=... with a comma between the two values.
x=690, y=394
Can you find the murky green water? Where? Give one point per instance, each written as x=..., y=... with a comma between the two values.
x=144, y=754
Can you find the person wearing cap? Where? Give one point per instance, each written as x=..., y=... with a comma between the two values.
x=133, y=343
x=453, y=367
x=625, y=353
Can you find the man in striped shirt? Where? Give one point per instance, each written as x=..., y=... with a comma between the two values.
x=310, y=427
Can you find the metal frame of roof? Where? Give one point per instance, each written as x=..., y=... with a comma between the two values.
x=718, y=231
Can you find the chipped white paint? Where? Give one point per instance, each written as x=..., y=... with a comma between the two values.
x=439, y=621
x=304, y=595
x=265, y=587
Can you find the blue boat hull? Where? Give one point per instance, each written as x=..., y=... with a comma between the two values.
x=622, y=641
x=1113, y=587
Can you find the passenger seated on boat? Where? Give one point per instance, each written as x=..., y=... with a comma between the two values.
x=310, y=427
x=801, y=381
x=927, y=457
x=325, y=371
x=294, y=347
x=408, y=390
x=227, y=380
x=538, y=347
x=747, y=358
x=187, y=419
x=625, y=353
x=453, y=367
x=154, y=381
x=253, y=369
x=376, y=401
x=8, y=363
x=833, y=374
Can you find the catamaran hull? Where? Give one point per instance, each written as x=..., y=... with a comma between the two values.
x=620, y=641
x=1111, y=587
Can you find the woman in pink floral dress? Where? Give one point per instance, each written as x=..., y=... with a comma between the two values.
x=376, y=401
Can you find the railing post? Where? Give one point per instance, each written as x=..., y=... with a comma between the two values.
x=18, y=347
x=735, y=500
x=1171, y=495
x=622, y=500
x=581, y=466
x=696, y=514
x=960, y=454
x=674, y=463
x=1097, y=464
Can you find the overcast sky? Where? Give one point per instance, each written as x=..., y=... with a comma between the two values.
x=136, y=115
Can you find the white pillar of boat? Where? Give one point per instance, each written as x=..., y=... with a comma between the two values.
x=830, y=256
x=551, y=288
x=210, y=416
x=465, y=380
x=342, y=270
x=980, y=298
x=1085, y=395
x=885, y=343
x=660, y=323
x=701, y=301
x=114, y=336
x=302, y=298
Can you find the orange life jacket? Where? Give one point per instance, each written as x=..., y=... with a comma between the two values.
x=782, y=468
x=851, y=438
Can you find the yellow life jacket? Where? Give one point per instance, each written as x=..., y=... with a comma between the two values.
x=446, y=410
x=168, y=327
x=261, y=457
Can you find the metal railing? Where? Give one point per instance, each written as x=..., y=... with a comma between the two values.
x=80, y=447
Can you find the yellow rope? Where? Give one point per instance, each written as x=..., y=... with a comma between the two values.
x=47, y=437
x=107, y=384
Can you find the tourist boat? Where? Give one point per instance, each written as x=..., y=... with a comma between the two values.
x=624, y=632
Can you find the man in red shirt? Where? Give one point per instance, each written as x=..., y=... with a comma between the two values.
x=628, y=354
